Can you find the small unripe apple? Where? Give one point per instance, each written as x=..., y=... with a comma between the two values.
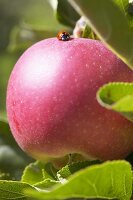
x=51, y=101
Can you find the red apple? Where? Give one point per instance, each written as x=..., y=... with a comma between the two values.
x=51, y=101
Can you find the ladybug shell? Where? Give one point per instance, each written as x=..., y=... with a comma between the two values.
x=64, y=36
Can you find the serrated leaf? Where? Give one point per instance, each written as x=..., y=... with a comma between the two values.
x=38, y=172
x=117, y=97
x=110, y=24
x=13, y=190
x=111, y=180
x=68, y=170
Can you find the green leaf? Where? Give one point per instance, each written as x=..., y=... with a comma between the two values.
x=125, y=7
x=38, y=172
x=82, y=29
x=47, y=184
x=66, y=14
x=68, y=170
x=13, y=190
x=118, y=97
x=12, y=159
x=88, y=33
x=111, y=180
x=110, y=24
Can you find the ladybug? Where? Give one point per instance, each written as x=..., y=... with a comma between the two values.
x=64, y=36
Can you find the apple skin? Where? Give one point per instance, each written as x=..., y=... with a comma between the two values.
x=51, y=101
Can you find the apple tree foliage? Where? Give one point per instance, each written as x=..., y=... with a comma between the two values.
x=23, y=23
